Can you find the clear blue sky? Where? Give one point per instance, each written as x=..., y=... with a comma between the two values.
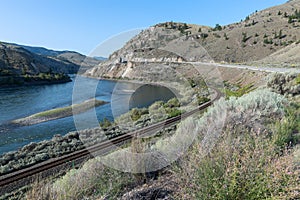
x=82, y=25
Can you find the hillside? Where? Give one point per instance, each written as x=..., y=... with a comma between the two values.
x=286, y=57
x=20, y=65
x=260, y=35
x=66, y=56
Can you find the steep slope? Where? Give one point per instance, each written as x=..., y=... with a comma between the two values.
x=139, y=56
x=33, y=65
x=286, y=57
x=20, y=67
x=260, y=35
x=19, y=61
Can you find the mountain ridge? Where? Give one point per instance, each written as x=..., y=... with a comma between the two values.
x=21, y=65
x=259, y=35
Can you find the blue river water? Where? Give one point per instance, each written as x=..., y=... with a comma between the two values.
x=18, y=102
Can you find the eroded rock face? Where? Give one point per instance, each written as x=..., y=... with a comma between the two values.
x=140, y=56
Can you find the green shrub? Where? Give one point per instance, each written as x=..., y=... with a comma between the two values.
x=204, y=35
x=267, y=41
x=218, y=27
x=284, y=83
x=239, y=92
x=137, y=113
x=202, y=100
x=105, y=123
x=173, y=112
x=174, y=102
x=93, y=179
x=297, y=79
x=286, y=128
x=241, y=167
x=245, y=37
x=236, y=155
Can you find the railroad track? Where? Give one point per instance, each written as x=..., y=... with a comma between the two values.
x=7, y=181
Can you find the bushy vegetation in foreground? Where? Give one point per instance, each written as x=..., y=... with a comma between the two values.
x=250, y=158
x=158, y=111
x=93, y=179
x=237, y=90
x=285, y=83
x=243, y=150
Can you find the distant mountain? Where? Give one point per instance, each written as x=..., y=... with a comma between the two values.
x=100, y=58
x=43, y=51
x=22, y=64
x=68, y=56
x=18, y=60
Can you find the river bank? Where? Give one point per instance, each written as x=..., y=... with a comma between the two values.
x=30, y=80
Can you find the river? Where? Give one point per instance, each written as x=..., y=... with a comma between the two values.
x=18, y=102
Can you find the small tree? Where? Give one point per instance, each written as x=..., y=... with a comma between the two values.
x=185, y=26
x=225, y=36
x=218, y=27
x=204, y=35
x=280, y=34
x=105, y=123
x=245, y=38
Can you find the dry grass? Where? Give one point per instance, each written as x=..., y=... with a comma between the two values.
x=92, y=181
x=250, y=158
x=246, y=160
x=239, y=167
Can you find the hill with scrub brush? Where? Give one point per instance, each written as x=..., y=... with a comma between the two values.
x=263, y=38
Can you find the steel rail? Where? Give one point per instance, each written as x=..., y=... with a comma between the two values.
x=104, y=146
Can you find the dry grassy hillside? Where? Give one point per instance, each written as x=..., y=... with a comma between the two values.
x=259, y=35
x=286, y=57
x=268, y=36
